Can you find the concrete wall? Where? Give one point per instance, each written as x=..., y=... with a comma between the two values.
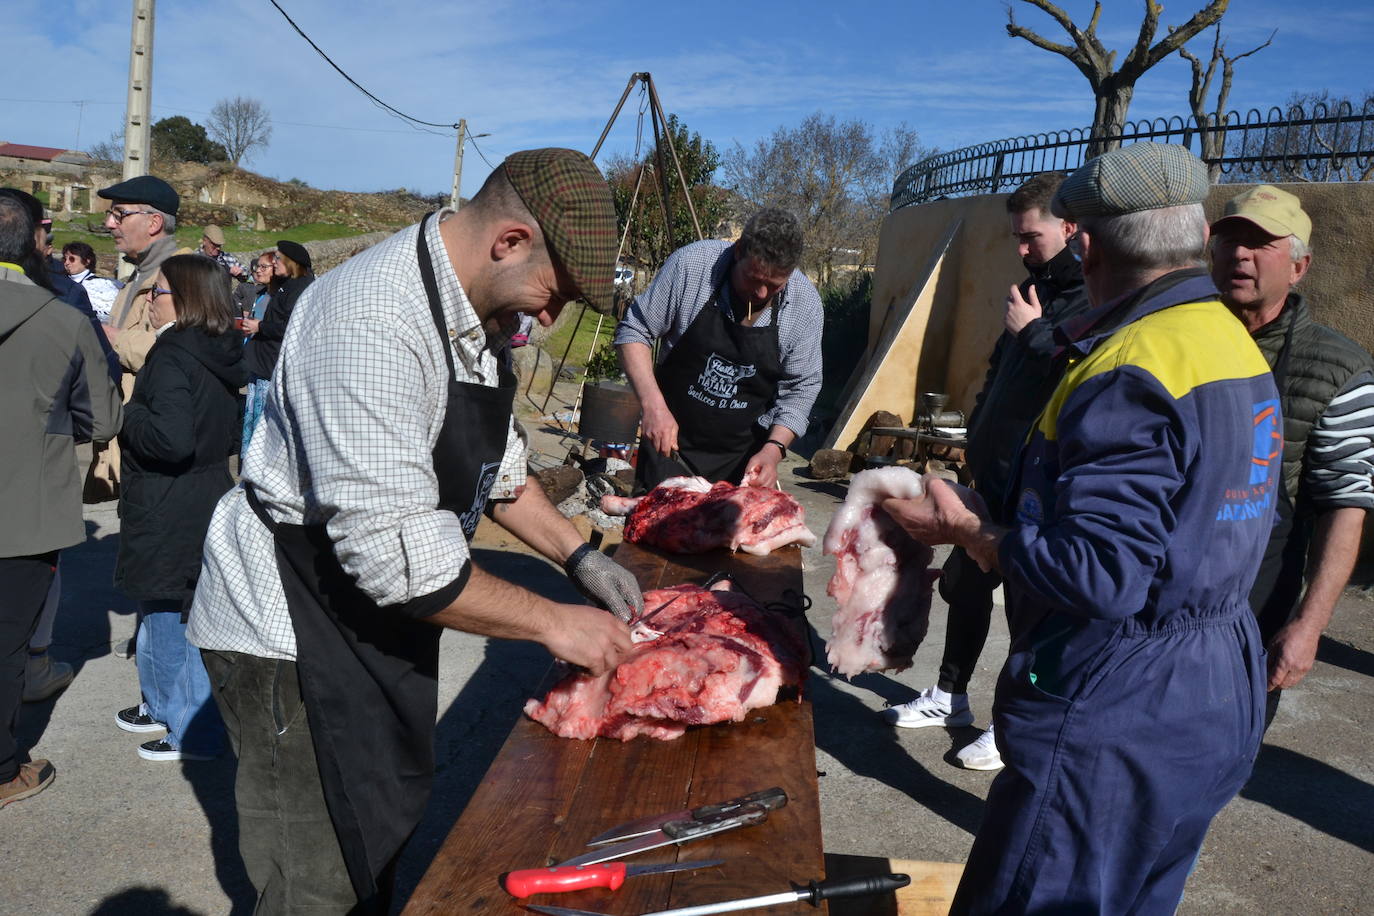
x=966, y=314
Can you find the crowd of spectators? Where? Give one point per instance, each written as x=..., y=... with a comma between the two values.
x=152, y=371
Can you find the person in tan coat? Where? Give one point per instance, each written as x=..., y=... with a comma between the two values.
x=142, y=220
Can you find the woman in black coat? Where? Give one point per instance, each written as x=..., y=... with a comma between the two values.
x=290, y=276
x=180, y=426
x=291, y=270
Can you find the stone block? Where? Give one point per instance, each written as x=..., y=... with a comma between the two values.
x=830, y=463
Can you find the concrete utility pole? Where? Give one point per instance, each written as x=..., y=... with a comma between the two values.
x=138, y=112
x=454, y=199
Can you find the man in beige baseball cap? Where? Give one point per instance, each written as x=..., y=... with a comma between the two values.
x=212, y=246
x=1261, y=249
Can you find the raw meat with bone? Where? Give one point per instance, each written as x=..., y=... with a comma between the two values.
x=689, y=515
x=708, y=656
x=883, y=580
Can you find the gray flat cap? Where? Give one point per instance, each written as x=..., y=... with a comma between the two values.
x=1141, y=176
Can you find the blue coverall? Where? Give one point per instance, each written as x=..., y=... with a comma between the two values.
x=1131, y=707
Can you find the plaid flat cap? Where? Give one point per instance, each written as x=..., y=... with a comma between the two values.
x=1141, y=176
x=565, y=192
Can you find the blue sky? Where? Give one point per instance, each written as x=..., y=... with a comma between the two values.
x=549, y=73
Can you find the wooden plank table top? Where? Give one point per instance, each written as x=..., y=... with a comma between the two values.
x=545, y=796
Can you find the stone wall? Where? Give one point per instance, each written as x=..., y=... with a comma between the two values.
x=328, y=254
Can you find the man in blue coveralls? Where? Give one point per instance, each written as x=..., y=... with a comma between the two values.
x=1131, y=707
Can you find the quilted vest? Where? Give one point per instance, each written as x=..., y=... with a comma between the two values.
x=1319, y=364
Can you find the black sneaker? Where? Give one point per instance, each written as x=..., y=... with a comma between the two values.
x=162, y=750
x=134, y=719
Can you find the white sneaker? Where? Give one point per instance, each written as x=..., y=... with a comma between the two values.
x=981, y=754
x=932, y=707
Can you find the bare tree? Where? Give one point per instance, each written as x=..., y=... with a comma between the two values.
x=240, y=125
x=1113, y=88
x=836, y=176
x=1212, y=127
x=110, y=150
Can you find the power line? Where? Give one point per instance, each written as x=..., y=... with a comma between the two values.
x=480, y=153
x=356, y=84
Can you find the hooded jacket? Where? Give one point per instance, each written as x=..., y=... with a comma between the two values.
x=180, y=427
x=1021, y=375
x=55, y=391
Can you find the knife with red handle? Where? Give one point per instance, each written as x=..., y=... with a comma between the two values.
x=610, y=875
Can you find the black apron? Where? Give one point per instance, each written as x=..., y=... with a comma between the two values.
x=717, y=382
x=369, y=675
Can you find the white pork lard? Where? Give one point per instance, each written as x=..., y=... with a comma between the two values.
x=883, y=582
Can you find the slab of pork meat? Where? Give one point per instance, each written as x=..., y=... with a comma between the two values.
x=883, y=580
x=689, y=515
x=709, y=656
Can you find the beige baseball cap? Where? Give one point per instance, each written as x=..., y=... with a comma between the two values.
x=1274, y=210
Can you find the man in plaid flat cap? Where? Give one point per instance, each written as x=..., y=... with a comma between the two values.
x=1131, y=707
x=330, y=571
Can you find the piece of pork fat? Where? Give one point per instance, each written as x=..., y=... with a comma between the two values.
x=883, y=581
x=715, y=656
x=689, y=515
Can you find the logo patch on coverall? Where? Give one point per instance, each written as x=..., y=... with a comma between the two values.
x=1030, y=508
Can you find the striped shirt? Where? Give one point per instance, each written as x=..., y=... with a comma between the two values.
x=352, y=416
x=1340, y=449
x=676, y=296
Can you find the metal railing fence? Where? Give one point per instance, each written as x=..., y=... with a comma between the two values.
x=1317, y=143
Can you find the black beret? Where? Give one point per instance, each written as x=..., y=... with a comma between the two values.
x=145, y=189
x=295, y=251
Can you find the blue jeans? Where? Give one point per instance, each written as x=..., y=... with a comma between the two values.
x=171, y=674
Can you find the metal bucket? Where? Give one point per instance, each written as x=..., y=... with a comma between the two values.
x=610, y=413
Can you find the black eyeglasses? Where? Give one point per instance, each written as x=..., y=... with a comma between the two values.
x=120, y=216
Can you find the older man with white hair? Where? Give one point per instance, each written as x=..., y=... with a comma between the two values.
x=1260, y=251
x=1131, y=707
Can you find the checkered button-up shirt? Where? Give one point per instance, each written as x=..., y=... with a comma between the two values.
x=345, y=441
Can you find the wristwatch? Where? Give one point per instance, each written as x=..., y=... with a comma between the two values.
x=782, y=448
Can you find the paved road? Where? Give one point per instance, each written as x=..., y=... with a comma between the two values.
x=119, y=835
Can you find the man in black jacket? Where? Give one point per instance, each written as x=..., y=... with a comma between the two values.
x=1022, y=373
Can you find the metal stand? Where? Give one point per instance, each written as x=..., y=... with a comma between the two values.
x=662, y=138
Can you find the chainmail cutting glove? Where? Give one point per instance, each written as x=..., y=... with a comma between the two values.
x=605, y=581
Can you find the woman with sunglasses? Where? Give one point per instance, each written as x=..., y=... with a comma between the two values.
x=291, y=274
x=78, y=260
x=265, y=285
x=180, y=426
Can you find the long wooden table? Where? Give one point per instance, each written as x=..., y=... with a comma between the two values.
x=545, y=796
